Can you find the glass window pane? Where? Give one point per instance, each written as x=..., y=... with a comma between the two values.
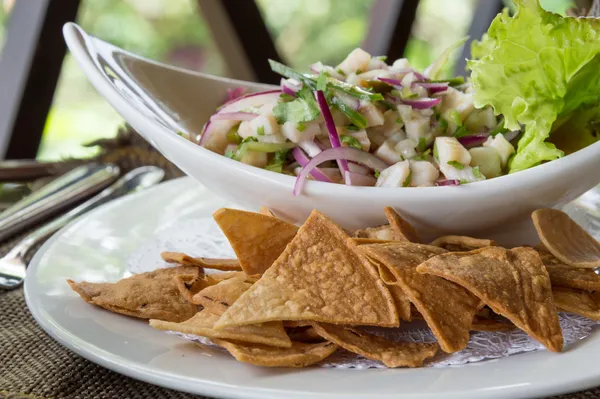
x=306, y=31
x=170, y=31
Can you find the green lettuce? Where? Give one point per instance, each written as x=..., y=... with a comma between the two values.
x=540, y=70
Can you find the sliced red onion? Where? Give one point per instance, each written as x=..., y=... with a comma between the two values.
x=232, y=94
x=423, y=103
x=356, y=179
x=339, y=153
x=233, y=116
x=334, y=137
x=434, y=87
x=303, y=160
x=236, y=105
x=448, y=182
x=290, y=86
x=473, y=140
x=311, y=148
x=510, y=136
x=393, y=82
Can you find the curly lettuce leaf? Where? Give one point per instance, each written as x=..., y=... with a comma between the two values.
x=533, y=68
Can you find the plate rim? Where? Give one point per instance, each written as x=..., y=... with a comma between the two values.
x=208, y=387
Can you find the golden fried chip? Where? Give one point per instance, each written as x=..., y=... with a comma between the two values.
x=390, y=353
x=152, y=295
x=491, y=325
x=216, y=278
x=447, y=308
x=402, y=230
x=363, y=241
x=295, y=323
x=219, y=297
x=299, y=355
x=513, y=283
x=402, y=302
x=304, y=334
x=266, y=211
x=256, y=239
x=319, y=277
x=584, y=303
x=572, y=277
x=207, y=263
x=461, y=243
x=271, y=334
x=379, y=233
x=188, y=285
x=565, y=239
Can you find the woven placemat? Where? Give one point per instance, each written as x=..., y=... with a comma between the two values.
x=34, y=366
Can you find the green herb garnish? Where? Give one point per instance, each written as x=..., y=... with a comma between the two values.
x=377, y=174
x=302, y=109
x=408, y=180
x=477, y=173
x=456, y=164
x=461, y=132
x=355, y=118
x=422, y=146
x=322, y=82
x=300, y=126
x=350, y=141
x=260, y=131
x=233, y=136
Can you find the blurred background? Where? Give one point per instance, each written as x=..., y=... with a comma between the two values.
x=175, y=32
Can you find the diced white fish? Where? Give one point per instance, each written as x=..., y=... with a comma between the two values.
x=357, y=60
x=372, y=114
x=388, y=153
x=407, y=148
x=504, y=147
x=255, y=158
x=395, y=175
x=307, y=133
x=488, y=160
x=448, y=149
x=423, y=173
x=453, y=99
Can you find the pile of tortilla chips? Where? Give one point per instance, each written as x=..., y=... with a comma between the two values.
x=296, y=295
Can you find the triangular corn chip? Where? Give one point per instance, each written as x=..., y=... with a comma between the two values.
x=216, y=278
x=513, y=283
x=379, y=233
x=266, y=211
x=304, y=334
x=271, y=334
x=402, y=302
x=390, y=353
x=565, y=239
x=447, y=308
x=461, y=243
x=402, y=230
x=572, y=277
x=299, y=355
x=207, y=263
x=188, y=285
x=256, y=239
x=152, y=295
x=219, y=297
x=584, y=303
x=319, y=277
x=363, y=241
x=491, y=325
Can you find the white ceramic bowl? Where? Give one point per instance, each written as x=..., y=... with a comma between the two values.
x=159, y=100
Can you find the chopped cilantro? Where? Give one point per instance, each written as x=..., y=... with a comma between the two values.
x=435, y=152
x=340, y=72
x=387, y=104
x=456, y=164
x=408, y=180
x=302, y=109
x=382, y=57
x=300, y=126
x=477, y=173
x=443, y=125
x=377, y=174
x=350, y=141
x=461, y=132
x=286, y=97
x=359, y=71
x=274, y=168
x=353, y=128
x=180, y=134
x=407, y=92
x=249, y=139
x=454, y=117
x=423, y=156
x=463, y=181
x=422, y=146
x=399, y=120
x=260, y=131
x=230, y=154
x=322, y=81
x=233, y=136
x=355, y=118
x=278, y=160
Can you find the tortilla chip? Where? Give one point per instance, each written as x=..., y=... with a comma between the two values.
x=299, y=355
x=207, y=263
x=363, y=241
x=403, y=231
x=216, y=278
x=256, y=239
x=152, y=295
x=401, y=301
x=571, y=277
x=513, y=283
x=584, y=303
x=304, y=334
x=491, y=325
x=266, y=211
x=295, y=323
x=565, y=239
x=390, y=353
x=379, y=233
x=188, y=285
x=218, y=298
x=548, y=259
x=319, y=277
x=461, y=243
x=447, y=308
x=271, y=334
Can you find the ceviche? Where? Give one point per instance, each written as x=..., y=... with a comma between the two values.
x=532, y=95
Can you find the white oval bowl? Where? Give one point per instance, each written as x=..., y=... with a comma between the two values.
x=158, y=100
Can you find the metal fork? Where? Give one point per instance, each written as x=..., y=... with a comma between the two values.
x=13, y=266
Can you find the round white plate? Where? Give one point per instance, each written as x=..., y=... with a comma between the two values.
x=98, y=247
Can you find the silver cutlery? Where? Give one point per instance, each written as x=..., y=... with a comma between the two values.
x=13, y=265
x=62, y=192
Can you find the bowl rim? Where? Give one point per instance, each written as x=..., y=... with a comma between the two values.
x=80, y=50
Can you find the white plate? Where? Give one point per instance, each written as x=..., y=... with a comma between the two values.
x=96, y=248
